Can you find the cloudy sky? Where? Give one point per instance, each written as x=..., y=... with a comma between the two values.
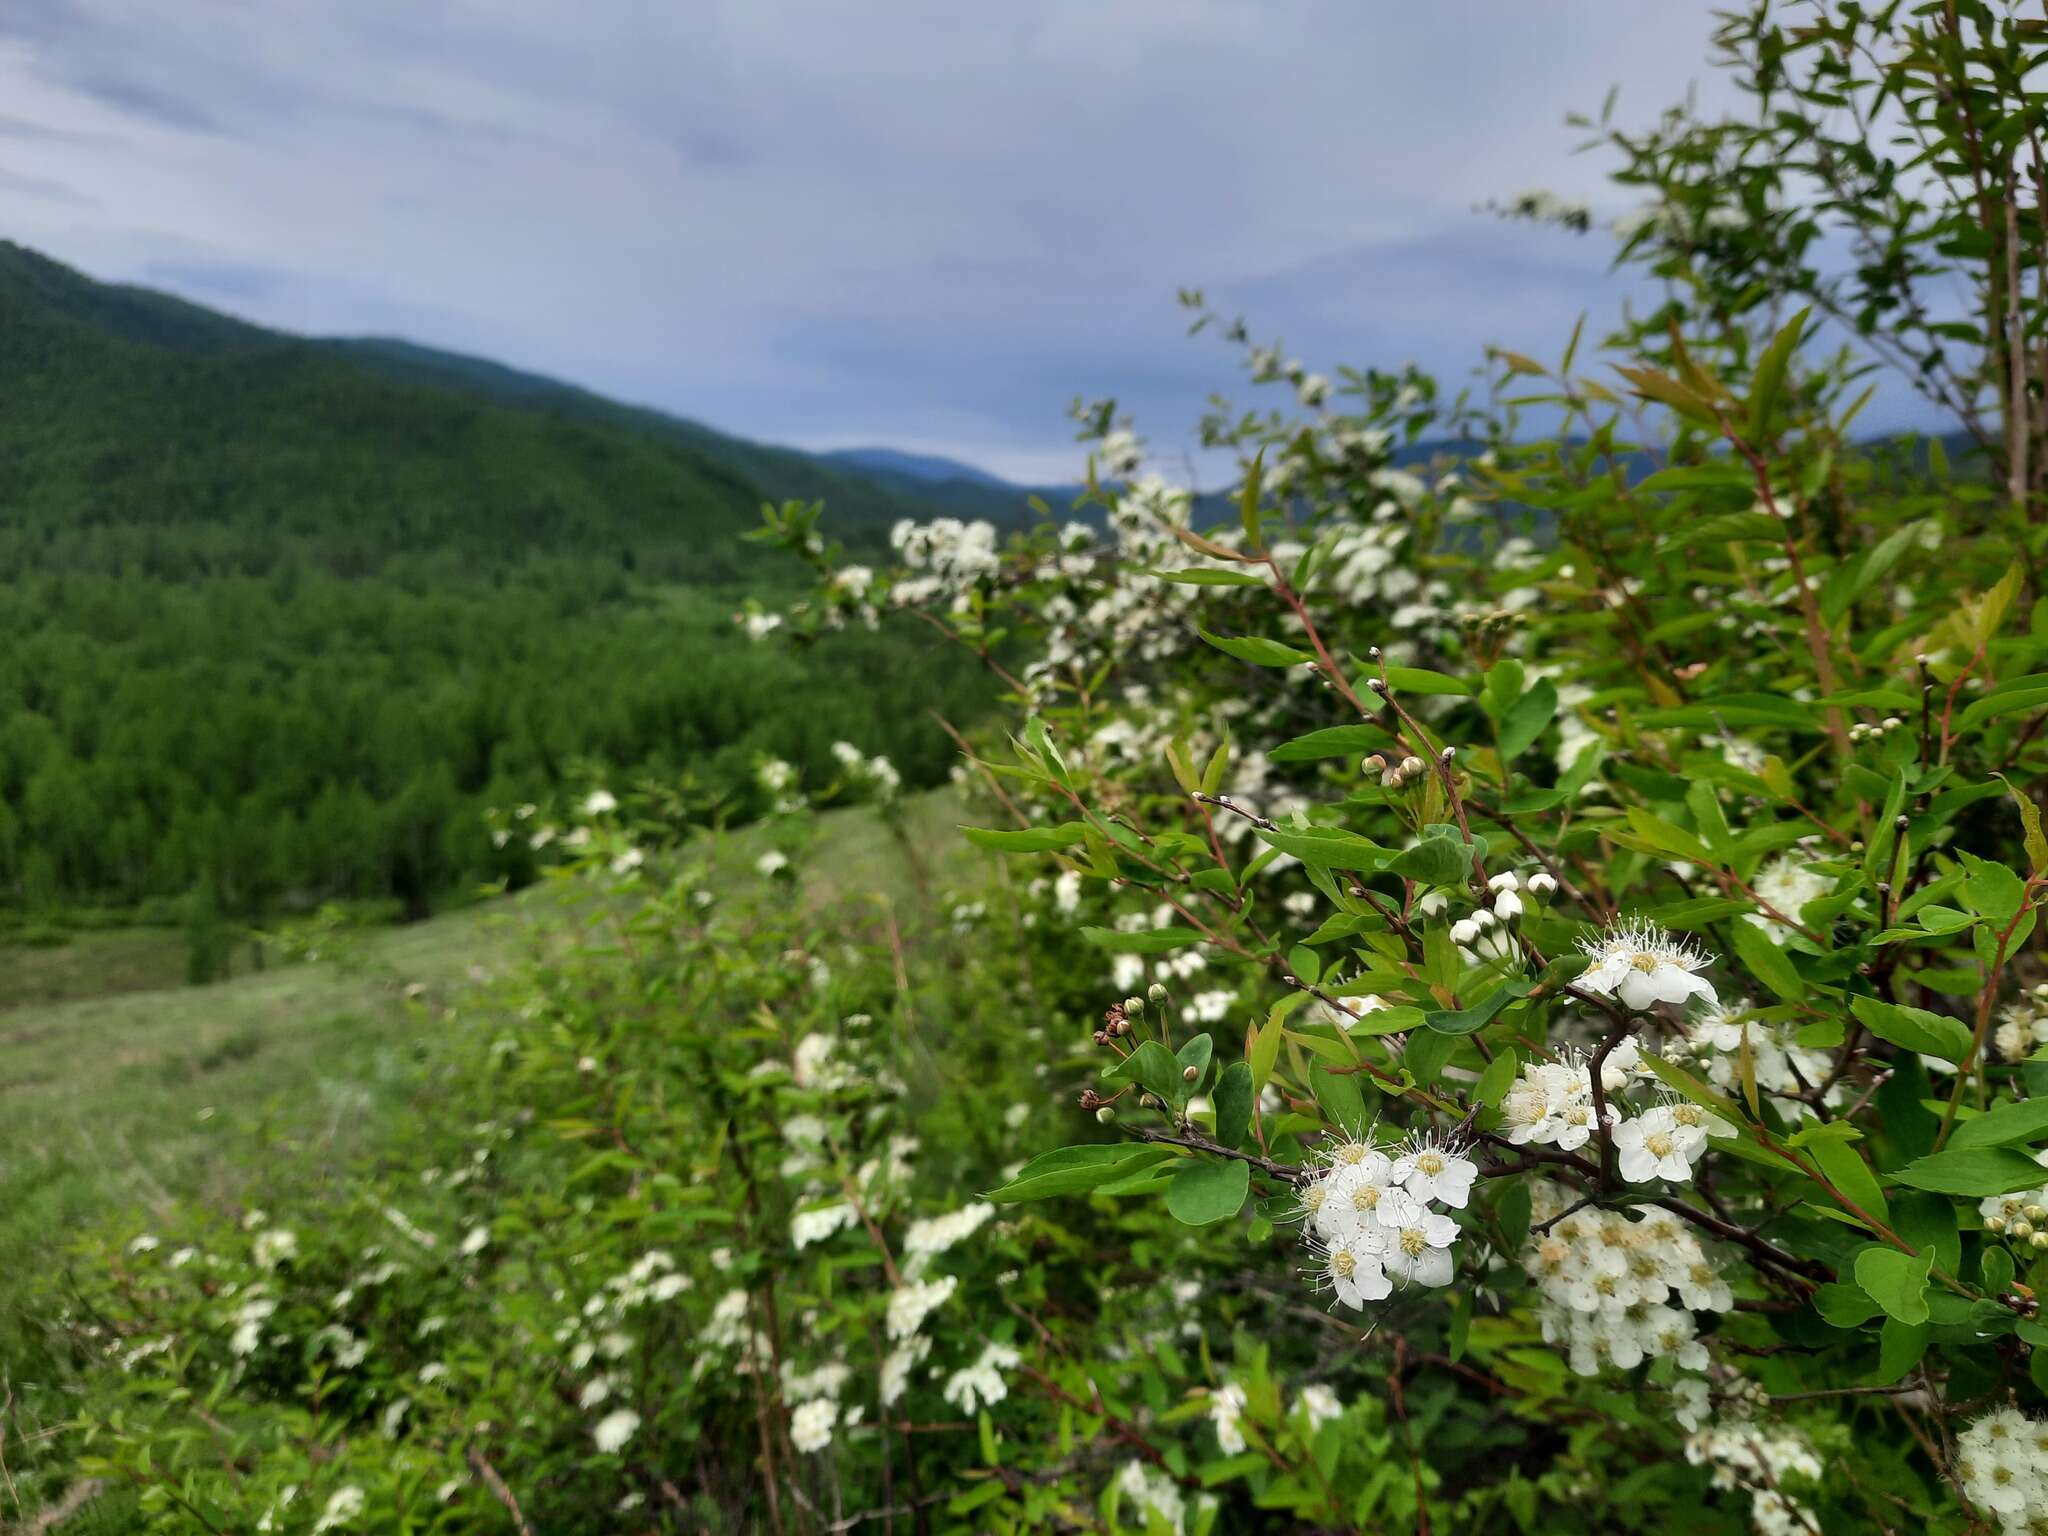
x=922, y=224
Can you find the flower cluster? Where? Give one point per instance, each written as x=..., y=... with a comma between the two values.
x=1620, y=1287
x=1552, y=1104
x=1368, y=1215
x=2002, y=1460
x=1745, y=1456
x=1640, y=965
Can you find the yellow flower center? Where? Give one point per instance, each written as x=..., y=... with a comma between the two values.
x=1686, y=1114
x=1643, y=962
x=1366, y=1197
x=1312, y=1197
x=1351, y=1152
x=1413, y=1242
x=1430, y=1164
x=1658, y=1143
x=1342, y=1262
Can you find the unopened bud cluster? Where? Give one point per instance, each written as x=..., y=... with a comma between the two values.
x=1859, y=732
x=1395, y=775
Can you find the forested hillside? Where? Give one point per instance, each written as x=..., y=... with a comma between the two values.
x=279, y=618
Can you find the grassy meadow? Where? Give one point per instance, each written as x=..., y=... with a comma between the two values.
x=126, y=1092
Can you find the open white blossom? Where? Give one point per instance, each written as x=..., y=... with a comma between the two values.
x=613, y=1430
x=981, y=1383
x=1226, y=1407
x=814, y=1226
x=810, y=1426
x=1320, y=1404
x=2002, y=1460
x=1640, y=965
x=925, y=1239
x=915, y=1300
x=343, y=1505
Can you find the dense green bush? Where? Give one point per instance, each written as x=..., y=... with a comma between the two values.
x=1515, y=1004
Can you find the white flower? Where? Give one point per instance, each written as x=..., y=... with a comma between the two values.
x=1641, y=965
x=927, y=1238
x=911, y=1303
x=1432, y=1169
x=1787, y=887
x=1655, y=1146
x=1320, y=1404
x=475, y=1240
x=810, y=1426
x=897, y=1366
x=615, y=1429
x=1420, y=1250
x=982, y=1380
x=599, y=802
x=1542, y=883
x=807, y=1227
x=1226, y=1407
x=771, y=863
x=274, y=1245
x=1355, y=1271
x=343, y=1505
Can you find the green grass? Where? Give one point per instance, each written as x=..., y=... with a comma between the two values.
x=124, y=1094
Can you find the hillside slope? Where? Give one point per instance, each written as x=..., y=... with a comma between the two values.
x=279, y=620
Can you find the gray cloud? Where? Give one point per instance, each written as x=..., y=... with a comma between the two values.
x=911, y=222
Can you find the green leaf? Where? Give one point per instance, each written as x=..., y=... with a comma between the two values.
x=1332, y=741
x=1845, y=1306
x=1325, y=847
x=1895, y=1281
x=1028, y=839
x=1846, y=1170
x=1769, y=377
x=1765, y=961
x=1337, y=1094
x=1201, y=576
x=1422, y=680
x=1233, y=1100
x=1900, y=1346
x=1073, y=1170
x=1248, y=499
x=2004, y=1124
x=1152, y=1066
x=2030, y=821
x=1466, y=1021
x=1497, y=1079
x=1207, y=1190
x=1435, y=861
x=1257, y=650
x=1917, y=1030
x=1973, y=1171
x=1146, y=941
x=1526, y=720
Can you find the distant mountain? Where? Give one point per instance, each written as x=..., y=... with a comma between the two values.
x=914, y=466
x=166, y=389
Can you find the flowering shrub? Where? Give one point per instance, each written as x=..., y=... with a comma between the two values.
x=1512, y=1001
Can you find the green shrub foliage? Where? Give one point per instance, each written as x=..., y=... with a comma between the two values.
x=1511, y=998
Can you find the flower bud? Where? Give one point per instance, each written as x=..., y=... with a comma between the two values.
x=1542, y=883
x=1464, y=931
x=2037, y=1214
x=1134, y=1005
x=1994, y=1223
x=2038, y=1240
x=1484, y=918
x=2021, y=1229
x=1410, y=766
x=1507, y=906
x=1189, y=1074
x=1504, y=881
x=1374, y=764
x=1157, y=992
x=1106, y=1115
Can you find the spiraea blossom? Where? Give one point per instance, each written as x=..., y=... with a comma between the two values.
x=2002, y=1460
x=1618, y=1287
x=1640, y=965
x=1368, y=1217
